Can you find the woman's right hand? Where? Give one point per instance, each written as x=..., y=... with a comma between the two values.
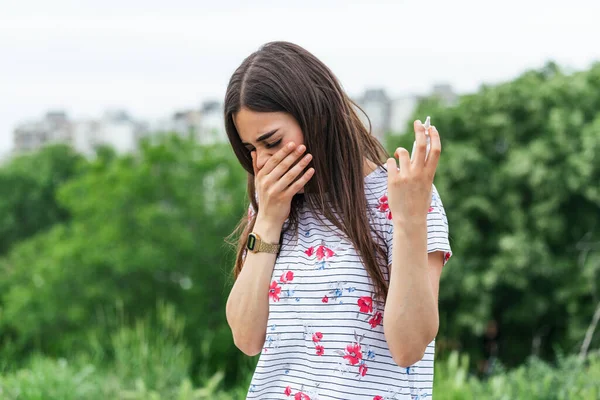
x=276, y=183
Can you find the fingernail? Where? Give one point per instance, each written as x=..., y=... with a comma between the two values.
x=291, y=145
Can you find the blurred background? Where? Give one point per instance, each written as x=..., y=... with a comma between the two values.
x=117, y=186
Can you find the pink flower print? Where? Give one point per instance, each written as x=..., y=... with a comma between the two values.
x=301, y=396
x=320, y=350
x=430, y=209
x=286, y=277
x=310, y=251
x=274, y=291
x=325, y=299
x=362, y=369
x=366, y=304
x=324, y=252
x=384, y=207
x=377, y=398
x=288, y=391
x=317, y=336
x=353, y=353
x=376, y=319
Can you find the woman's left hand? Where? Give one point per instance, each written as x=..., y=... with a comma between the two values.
x=409, y=187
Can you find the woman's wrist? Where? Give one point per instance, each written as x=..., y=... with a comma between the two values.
x=268, y=231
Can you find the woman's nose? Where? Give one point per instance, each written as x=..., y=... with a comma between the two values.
x=262, y=159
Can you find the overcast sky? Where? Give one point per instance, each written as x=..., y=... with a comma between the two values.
x=155, y=57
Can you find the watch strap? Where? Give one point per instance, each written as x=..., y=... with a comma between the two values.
x=265, y=247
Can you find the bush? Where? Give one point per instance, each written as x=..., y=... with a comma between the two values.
x=571, y=378
x=149, y=360
x=47, y=379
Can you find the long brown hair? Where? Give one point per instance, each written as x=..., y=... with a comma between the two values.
x=284, y=77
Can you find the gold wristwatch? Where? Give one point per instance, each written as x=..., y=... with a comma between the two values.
x=256, y=245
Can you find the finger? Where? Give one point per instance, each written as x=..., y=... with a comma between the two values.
x=277, y=157
x=434, y=151
x=392, y=167
x=291, y=175
x=420, y=150
x=403, y=159
x=285, y=165
x=253, y=155
x=299, y=184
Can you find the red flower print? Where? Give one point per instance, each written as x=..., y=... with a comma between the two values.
x=353, y=353
x=376, y=319
x=446, y=256
x=320, y=350
x=310, y=251
x=377, y=398
x=287, y=277
x=288, y=391
x=324, y=252
x=317, y=336
x=430, y=209
x=384, y=207
x=383, y=203
x=325, y=299
x=274, y=291
x=301, y=396
x=362, y=369
x=365, y=303
x=320, y=252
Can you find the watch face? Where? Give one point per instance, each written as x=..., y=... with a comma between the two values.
x=251, y=242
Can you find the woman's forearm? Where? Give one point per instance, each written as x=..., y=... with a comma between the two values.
x=411, y=317
x=247, y=307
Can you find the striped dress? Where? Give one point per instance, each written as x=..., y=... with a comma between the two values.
x=325, y=337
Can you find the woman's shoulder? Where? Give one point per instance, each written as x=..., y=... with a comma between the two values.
x=376, y=184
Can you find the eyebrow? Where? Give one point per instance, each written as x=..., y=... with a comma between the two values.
x=263, y=137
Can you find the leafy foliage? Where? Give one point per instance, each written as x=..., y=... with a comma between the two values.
x=143, y=227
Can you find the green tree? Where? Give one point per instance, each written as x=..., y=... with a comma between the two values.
x=144, y=227
x=28, y=186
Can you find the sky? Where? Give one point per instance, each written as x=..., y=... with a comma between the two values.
x=153, y=57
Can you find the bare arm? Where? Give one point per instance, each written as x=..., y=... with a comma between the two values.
x=411, y=318
x=411, y=310
x=248, y=303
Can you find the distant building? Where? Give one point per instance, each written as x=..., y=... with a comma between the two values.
x=445, y=93
x=403, y=109
x=116, y=129
x=53, y=128
x=393, y=115
x=377, y=105
x=212, y=124
x=205, y=125
x=185, y=123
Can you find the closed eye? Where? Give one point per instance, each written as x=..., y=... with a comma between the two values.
x=275, y=144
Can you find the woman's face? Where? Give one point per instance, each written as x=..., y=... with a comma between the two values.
x=266, y=132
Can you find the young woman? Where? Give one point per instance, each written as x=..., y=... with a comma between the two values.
x=340, y=256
